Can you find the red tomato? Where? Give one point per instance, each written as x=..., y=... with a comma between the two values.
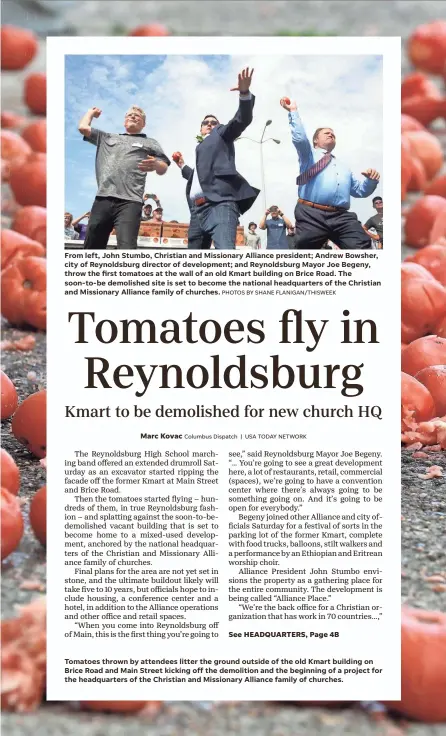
x=152, y=29
x=15, y=151
x=423, y=302
x=176, y=156
x=9, y=398
x=9, y=472
x=28, y=181
x=37, y=514
x=427, y=148
x=11, y=523
x=440, y=329
x=286, y=100
x=417, y=398
x=15, y=245
x=31, y=221
x=438, y=232
x=117, y=706
x=434, y=378
x=437, y=186
x=35, y=92
x=427, y=47
x=409, y=123
x=421, y=218
x=29, y=423
x=421, y=353
x=35, y=135
x=424, y=108
x=418, y=179
x=18, y=47
x=411, y=270
x=11, y=119
x=418, y=83
x=433, y=258
x=406, y=169
x=423, y=666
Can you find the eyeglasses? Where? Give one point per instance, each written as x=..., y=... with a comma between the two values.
x=210, y=122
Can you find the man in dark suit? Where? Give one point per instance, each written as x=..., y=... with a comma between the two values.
x=216, y=193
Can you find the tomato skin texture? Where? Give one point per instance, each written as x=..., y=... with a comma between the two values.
x=9, y=398
x=438, y=232
x=434, y=379
x=18, y=47
x=11, y=523
x=437, y=186
x=417, y=398
x=423, y=300
x=31, y=221
x=433, y=258
x=410, y=123
x=35, y=135
x=16, y=245
x=15, y=150
x=423, y=666
x=29, y=423
x=427, y=47
x=37, y=514
x=440, y=329
x=115, y=706
x=11, y=120
x=427, y=148
x=35, y=92
x=10, y=474
x=23, y=299
x=421, y=353
x=421, y=218
x=151, y=29
x=28, y=181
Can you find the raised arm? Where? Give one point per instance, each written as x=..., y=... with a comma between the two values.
x=79, y=219
x=262, y=223
x=243, y=116
x=287, y=222
x=84, y=126
x=367, y=186
x=298, y=134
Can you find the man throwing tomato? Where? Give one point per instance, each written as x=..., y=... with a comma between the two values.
x=325, y=186
x=216, y=193
x=122, y=163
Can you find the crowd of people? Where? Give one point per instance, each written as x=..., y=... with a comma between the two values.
x=281, y=232
x=217, y=194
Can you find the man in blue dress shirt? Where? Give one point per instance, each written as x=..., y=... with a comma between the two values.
x=325, y=187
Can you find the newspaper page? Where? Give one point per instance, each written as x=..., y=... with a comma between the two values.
x=223, y=453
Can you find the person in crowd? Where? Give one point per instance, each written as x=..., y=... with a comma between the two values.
x=376, y=223
x=252, y=238
x=146, y=213
x=291, y=237
x=216, y=193
x=158, y=216
x=325, y=186
x=276, y=228
x=81, y=227
x=122, y=163
x=70, y=232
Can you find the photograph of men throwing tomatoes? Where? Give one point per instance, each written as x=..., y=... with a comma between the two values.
x=240, y=138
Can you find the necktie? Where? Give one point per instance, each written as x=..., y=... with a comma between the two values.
x=313, y=170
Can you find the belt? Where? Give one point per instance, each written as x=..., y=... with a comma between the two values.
x=326, y=207
x=200, y=201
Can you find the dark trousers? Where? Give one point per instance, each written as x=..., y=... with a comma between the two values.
x=314, y=227
x=108, y=213
x=213, y=223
